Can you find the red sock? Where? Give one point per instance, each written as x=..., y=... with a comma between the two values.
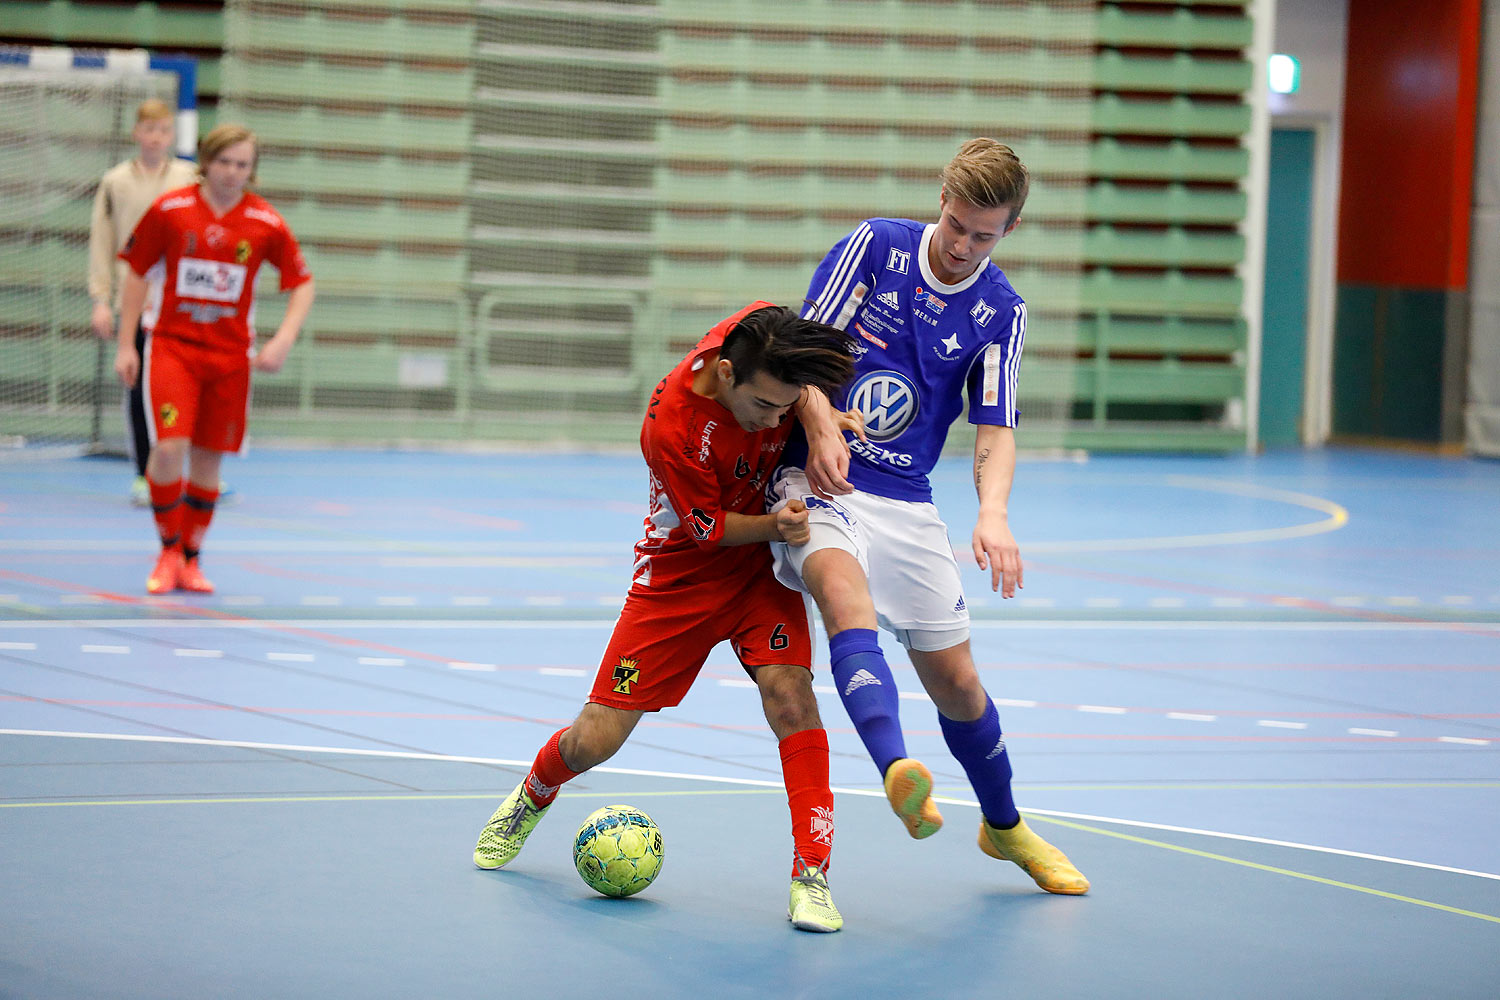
x=804, y=768
x=198, y=510
x=548, y=773
x=166, y=508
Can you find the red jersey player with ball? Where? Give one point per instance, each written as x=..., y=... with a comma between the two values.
x=713, y=433
x=195, y=373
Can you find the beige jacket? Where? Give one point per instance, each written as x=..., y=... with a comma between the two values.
x=125, y=192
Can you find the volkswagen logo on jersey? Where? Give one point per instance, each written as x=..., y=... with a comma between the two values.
x=888, y=401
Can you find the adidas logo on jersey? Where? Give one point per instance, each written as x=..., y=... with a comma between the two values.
x=999, y=749
x=860, y=679
x=890, y=298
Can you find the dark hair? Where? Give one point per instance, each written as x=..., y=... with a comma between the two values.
x=790, y=349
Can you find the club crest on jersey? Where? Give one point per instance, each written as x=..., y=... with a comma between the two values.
x=242, y=252
x=949, y=349
x=888, y=401
x=627, y=673
x=982, y=312
x=923, y=297
x=899, y=261
x=168, y=414
x=701, y=523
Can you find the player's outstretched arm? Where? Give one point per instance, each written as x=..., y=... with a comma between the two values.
x=995, y=548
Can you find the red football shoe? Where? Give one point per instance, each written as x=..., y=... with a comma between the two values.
x=191, y=578
x=163, y=578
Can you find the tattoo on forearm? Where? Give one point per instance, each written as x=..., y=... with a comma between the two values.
x=979, y=461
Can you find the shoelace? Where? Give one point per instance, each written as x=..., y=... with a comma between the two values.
x=511, y=821
x=817, y=888
x=815, y=879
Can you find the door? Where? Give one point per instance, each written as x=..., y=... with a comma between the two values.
x=1284, y=312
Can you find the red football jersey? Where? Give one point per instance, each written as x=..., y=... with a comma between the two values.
x=702, y=464
x=211, y=263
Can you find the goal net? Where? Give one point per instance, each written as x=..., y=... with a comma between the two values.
x=60, y=130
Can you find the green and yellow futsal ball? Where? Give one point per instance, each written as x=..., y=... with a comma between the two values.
x=618, y=850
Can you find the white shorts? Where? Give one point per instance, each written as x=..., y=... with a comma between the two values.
x=903, y=548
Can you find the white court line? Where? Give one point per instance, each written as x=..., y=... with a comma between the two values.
x=1192, y=716
x=93, y=648
x=17, y=645
x=381, y=661
x=550, y=624
x=757, y=782
x=1373, y=732
x=205, y=654
x=291, y=657
x=1279, y=724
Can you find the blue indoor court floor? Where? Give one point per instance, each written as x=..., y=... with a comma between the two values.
x=1255, y=698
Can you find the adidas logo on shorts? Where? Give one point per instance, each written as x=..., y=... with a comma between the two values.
x=960, y=606
x=860, y=679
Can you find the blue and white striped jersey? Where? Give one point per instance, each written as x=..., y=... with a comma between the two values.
x=920, y=343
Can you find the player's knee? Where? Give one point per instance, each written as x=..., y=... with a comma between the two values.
x=841, y=592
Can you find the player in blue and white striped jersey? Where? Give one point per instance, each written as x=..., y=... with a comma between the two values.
x=933, y=317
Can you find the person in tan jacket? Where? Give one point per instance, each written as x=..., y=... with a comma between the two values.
x=125, y=192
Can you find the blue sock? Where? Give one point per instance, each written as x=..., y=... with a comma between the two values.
x=868, y=691
x=979, y=747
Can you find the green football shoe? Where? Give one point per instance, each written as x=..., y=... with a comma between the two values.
x=811, y=905
x=508, y=829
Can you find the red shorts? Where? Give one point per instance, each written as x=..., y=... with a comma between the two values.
x=196, y=393
x=663, y=638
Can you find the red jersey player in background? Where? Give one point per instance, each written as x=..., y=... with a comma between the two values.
x=195, y=374
x=713, y=433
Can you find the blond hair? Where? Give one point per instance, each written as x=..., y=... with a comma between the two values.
x=987, y=174
x=220, y=138
x=153, y=109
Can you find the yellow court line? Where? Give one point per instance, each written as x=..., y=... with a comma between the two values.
x=1270, y=868
x=1336, y=517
